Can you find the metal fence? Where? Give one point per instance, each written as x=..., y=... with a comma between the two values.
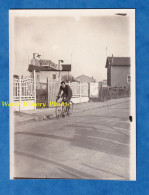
x=107, y=93
x=100, y=92
x=79, y=89
x=47, y=92
x=27, y=89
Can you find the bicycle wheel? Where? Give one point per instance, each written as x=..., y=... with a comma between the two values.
x=58, y=112
x=64, y=111
x=70, y=108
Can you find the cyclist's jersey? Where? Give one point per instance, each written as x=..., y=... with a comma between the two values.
x=67, y=90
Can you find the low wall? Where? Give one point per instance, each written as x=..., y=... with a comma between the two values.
x=23, y=105
x=77, y=100
x=29, y=105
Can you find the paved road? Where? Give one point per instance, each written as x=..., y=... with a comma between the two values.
x=92, y=144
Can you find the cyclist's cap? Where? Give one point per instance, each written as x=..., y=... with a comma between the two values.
x=63, y=82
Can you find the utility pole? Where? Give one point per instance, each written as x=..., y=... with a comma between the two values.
x=59, y=63
x=34, y=88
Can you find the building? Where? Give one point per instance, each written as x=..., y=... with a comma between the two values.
x=48, y=69
x=104, y=83
x=118, y=71
x=85, y=79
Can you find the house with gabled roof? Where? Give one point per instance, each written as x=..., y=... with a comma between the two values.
x=118, y=71
x=85, y=79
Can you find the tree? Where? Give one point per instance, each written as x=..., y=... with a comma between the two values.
x=68, y=78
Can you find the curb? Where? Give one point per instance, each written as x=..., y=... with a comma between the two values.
x=38, y=118
x=43, y=117
x=51, y=116
x=101, y=106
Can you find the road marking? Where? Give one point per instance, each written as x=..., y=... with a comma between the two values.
x=124, y=122
x=113, y=132
x=118, y=121
x=111, y=129
x=99, y=169
x=106, y=131
x=79, y=173
x=118, y=128
x=108, y=140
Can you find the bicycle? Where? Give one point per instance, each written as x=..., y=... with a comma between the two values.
x=63, y=108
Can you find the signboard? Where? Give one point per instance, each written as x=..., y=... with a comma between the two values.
x=48, y=63
x=94, y=90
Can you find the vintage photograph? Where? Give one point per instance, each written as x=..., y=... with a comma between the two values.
x=72, y=94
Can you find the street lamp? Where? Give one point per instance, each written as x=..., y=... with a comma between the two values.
x=35, y=62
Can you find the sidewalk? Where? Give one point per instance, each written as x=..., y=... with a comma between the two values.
x=49, y=113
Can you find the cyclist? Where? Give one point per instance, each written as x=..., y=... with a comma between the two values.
x=65, y=92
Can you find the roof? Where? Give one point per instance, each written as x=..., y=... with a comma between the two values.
x=118, y=61
x=85, y=77
x=65, y=67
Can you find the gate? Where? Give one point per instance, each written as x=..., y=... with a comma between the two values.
x=53, y=88
x=27, y=89
x=24, y=93
x=79, y=89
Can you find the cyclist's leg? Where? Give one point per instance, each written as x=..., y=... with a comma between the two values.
x=64, y=111
x=68, y=104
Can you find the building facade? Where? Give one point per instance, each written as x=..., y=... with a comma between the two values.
x=118, y=71
x=46, y=72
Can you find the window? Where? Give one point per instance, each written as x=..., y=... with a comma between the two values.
x=54, y=76
x=128, y=79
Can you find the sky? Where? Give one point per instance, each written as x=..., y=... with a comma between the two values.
x=77, y=40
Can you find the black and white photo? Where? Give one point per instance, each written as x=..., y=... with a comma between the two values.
x=72, y=94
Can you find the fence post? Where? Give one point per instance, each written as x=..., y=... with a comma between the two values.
x=101, y=92
x=35, y=89
x=89, y=84
x=80, y=92
x=48, y=91
x=20, y=93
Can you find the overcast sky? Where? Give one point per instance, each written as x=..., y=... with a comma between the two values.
x=81, y=41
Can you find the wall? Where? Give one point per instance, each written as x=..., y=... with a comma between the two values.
x=63, y=73
x=77, y=100
x=23, y=105
x=119, y=75
x=109, y=75
x=93, y=90
x=43, y=75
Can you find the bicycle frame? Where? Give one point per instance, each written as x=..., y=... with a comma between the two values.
x=63, y=110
